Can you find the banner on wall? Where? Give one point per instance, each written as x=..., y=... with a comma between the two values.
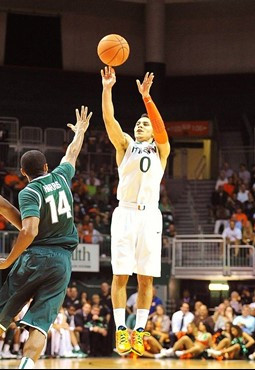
x=189, y=128
x=86, y=258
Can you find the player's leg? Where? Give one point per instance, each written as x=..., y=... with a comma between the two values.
x=53, y=271
x=122, y=259
x=32, y=349
x=144, y=299
x=119, y=299
x=148, y=265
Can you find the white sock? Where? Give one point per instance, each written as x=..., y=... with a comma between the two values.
x=76, y=347
x=26, y=363
x=6, y=348
x=16, y=347
x=119, y=317
x=141, y=318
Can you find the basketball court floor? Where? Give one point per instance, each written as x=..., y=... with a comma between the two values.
x=126, y=363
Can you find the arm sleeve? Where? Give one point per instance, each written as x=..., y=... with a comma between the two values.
x=160, y=134
x=29, y=203
x=65, y=169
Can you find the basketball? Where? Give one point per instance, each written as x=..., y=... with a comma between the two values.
x=113, y=50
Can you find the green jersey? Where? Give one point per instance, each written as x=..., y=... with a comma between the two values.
x=49, y=198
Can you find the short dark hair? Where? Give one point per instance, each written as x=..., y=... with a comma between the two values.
x=32, y=162
x=144, y=115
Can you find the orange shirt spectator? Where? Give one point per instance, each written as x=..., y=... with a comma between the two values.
x=229, y=188
x=13, y=181
x=240, y=216
x=3, y=223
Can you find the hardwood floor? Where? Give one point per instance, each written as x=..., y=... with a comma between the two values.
x=127, y=363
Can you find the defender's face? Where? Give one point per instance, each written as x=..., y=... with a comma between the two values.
x=143, y=129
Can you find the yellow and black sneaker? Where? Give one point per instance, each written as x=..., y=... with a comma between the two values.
x=137, y=341
x=123, y=345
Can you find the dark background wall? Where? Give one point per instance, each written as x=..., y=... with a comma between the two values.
x=49, y=64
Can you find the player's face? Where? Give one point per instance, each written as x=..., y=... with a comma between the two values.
x=143, y=129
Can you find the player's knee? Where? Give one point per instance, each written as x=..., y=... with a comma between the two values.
x=120, y=280
x=145, y=282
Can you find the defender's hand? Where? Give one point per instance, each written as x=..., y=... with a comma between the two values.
x=82, y=120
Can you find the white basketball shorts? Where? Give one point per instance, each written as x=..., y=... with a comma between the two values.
x=136, y=241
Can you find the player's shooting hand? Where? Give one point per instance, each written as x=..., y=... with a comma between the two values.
x=82, y=120
x=108, y=77
x=144, y=87
x=3, y=263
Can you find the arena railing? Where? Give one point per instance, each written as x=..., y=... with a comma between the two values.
x=7, y=238
x=11, y=125
x=202, y=256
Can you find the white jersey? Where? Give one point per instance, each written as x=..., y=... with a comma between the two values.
x=140, y=174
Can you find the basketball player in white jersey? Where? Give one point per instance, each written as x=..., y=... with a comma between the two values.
x=137, y=222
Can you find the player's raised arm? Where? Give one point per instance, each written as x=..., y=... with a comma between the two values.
x=81, y=126
x=10, y=212
x=114, y=131
x=159, y=130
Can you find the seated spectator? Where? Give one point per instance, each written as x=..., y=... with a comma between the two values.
x=229, y=187
x=15, y=184
x=187, y=297
x=161, y=325
x=179, y=322
x=165, y=204
x=81, y=318
x=91, y=235
x=243, y=194
x=204, y=316
x=222, y=315
x=97, y=332
x=235, y=302
x=246, y=297
x=218, y=199
x=104, y=310
x=196, y=308
x=245, y=320
x=93, y=180
x=63, y=341
x=240, y=216
x=70, y=312
x=244, y=174
x=249, y=208
x=203, y=340
x=222, y=179
x=72, y=298
x=235, y=348
x=233, y=236
x=222, y=215
x=84, y=298
x=105, y=227
x=170, y=231
x=227, y=169
x=155, y=301
x=79, y=186
x=248, y=235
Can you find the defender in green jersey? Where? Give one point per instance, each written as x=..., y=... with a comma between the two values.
x=42, y=252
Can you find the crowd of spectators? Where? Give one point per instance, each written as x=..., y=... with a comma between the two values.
x=84, y=327
x=95, y=197
x=233, y=206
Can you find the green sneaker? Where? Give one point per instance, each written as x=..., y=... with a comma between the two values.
x=79, y=354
